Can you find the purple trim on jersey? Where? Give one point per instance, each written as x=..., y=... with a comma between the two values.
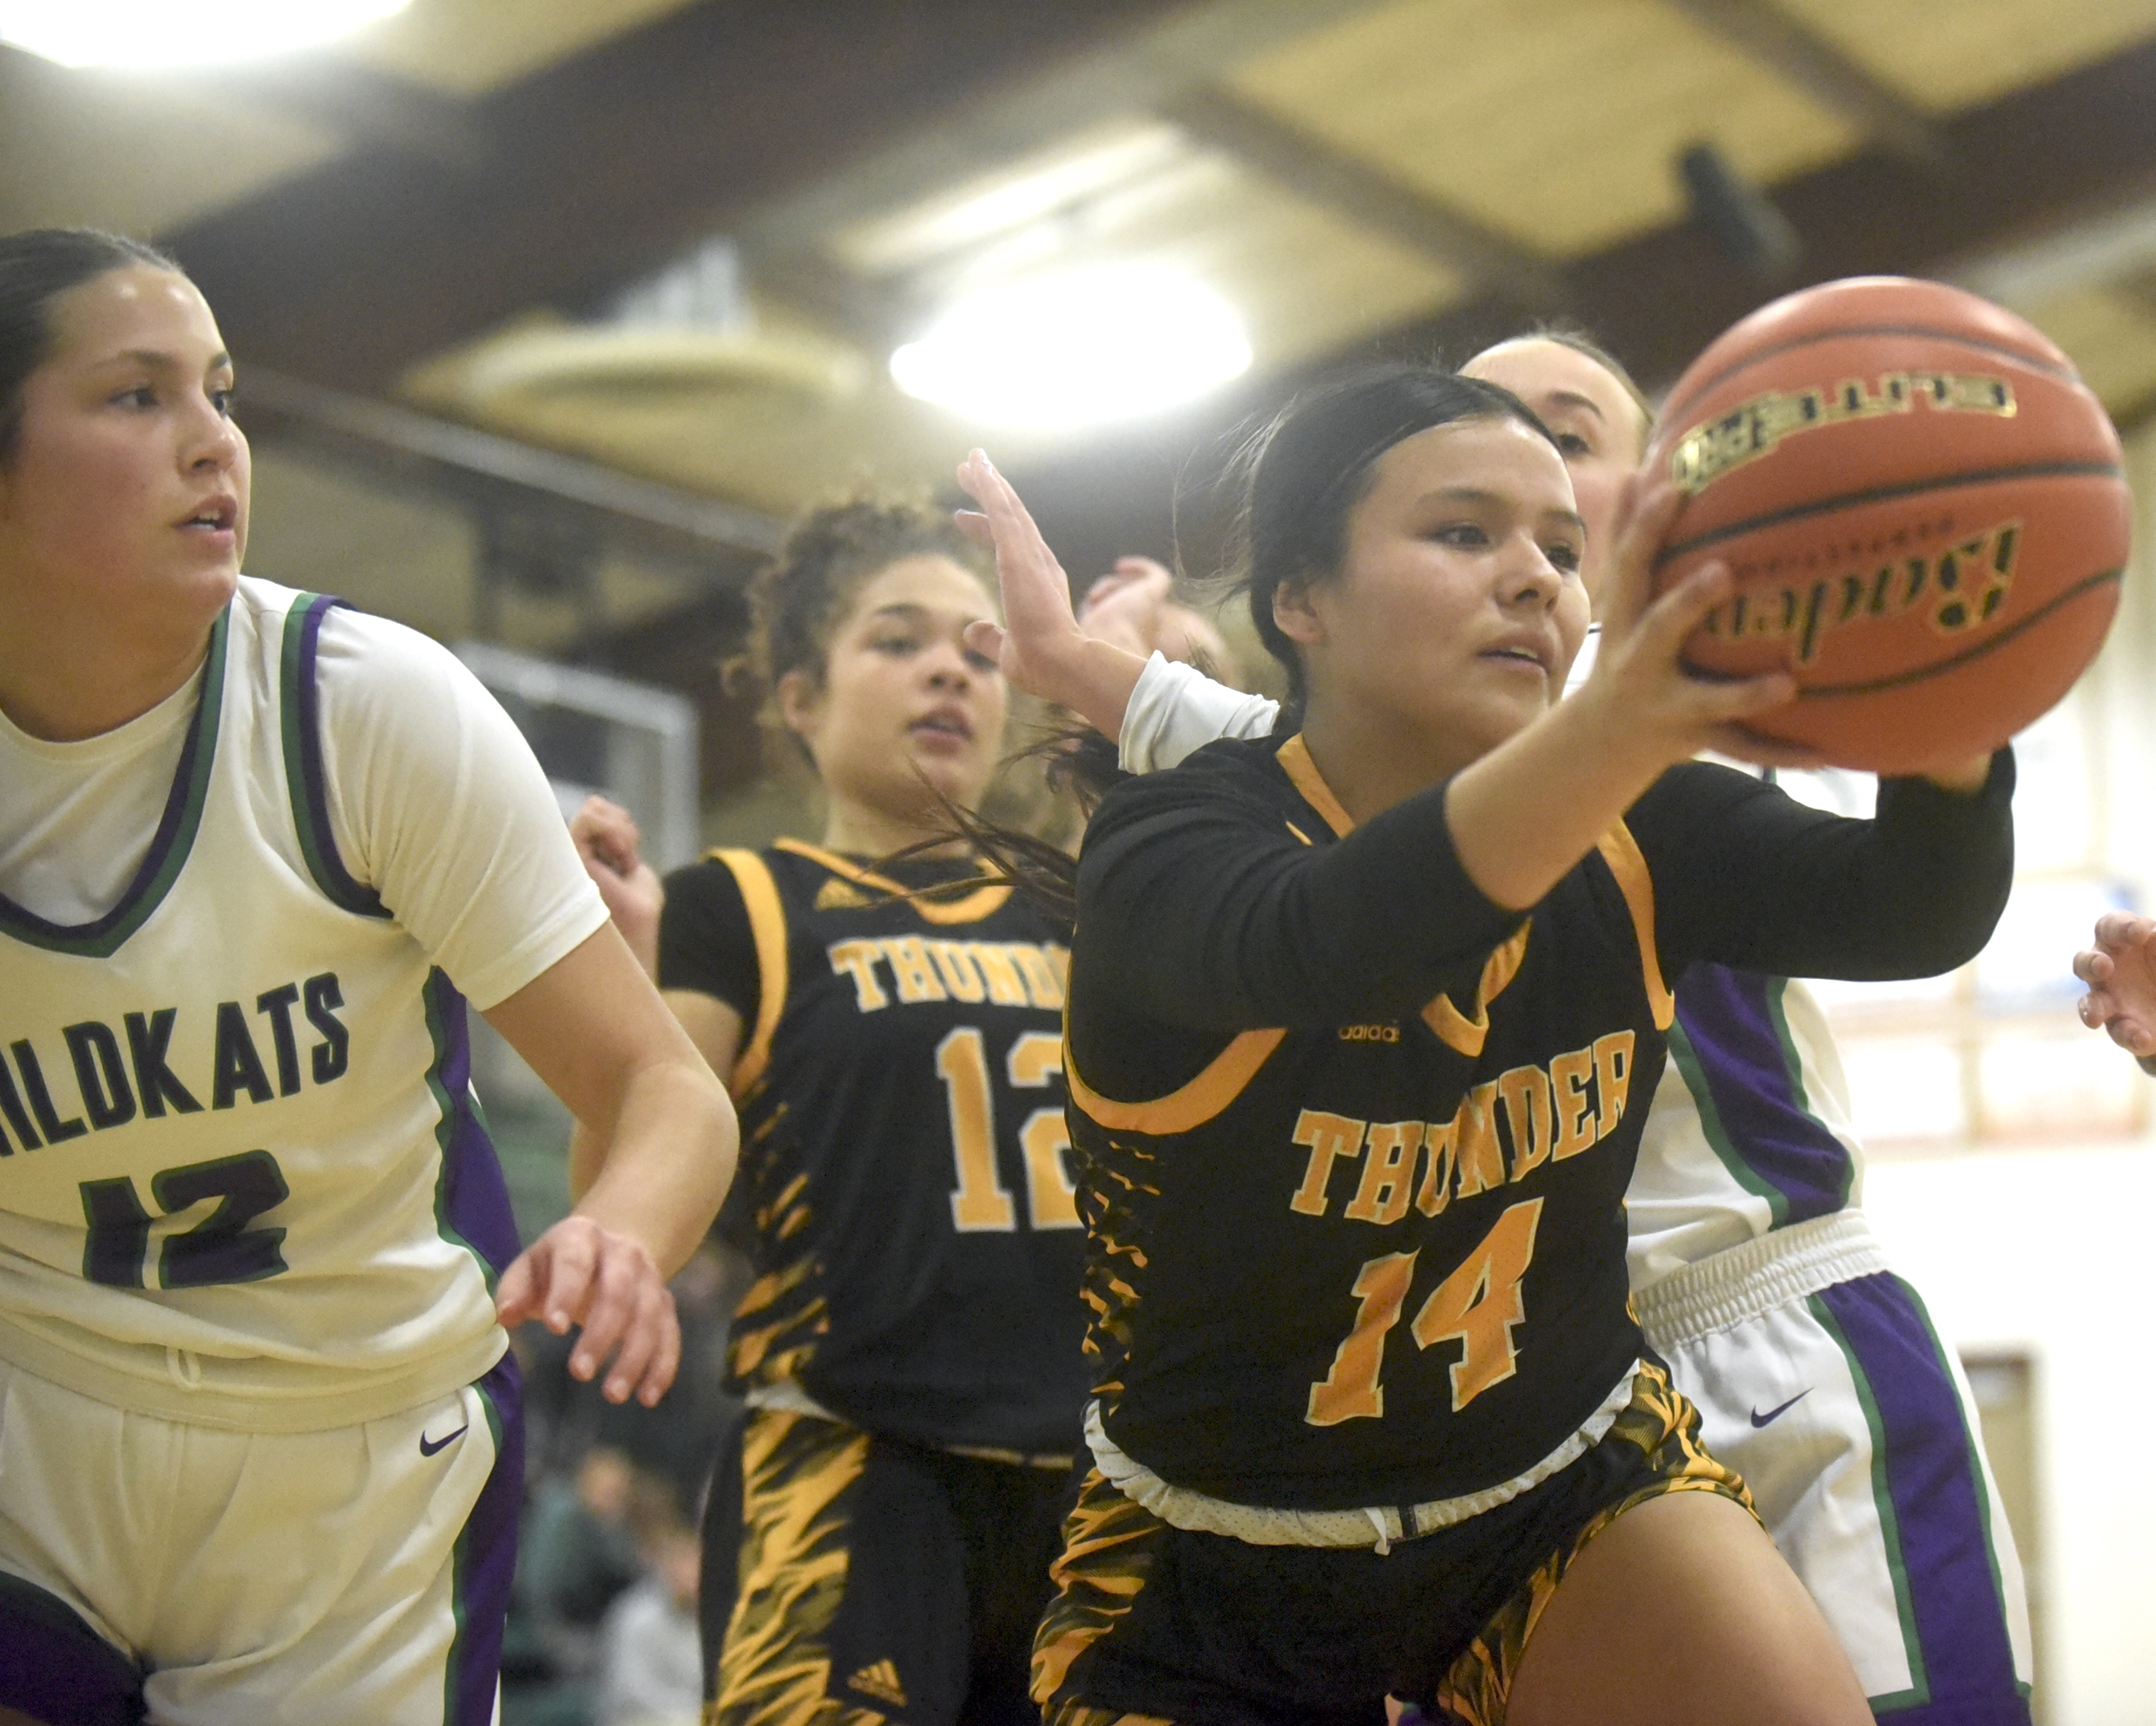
x=1940, y=1508
x=486, y=1554
x=55, y=1669
x=303, y=752
x=475, y=1201
x=1730, y=1018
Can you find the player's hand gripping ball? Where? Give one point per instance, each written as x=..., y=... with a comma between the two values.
x=1922, y=508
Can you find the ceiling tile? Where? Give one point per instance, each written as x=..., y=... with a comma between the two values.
x=1556, y=121
x=142, y=155
x=1949, y=54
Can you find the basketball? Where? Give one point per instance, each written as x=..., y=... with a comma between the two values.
x=1923, y=508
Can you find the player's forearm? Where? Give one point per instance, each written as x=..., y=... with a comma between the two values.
x=660, y=1173
x=1091, y=677
x=587, y=1151
x=1523, y=815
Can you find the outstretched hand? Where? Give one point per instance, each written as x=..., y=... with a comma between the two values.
x=607, y=840
x=1040, y=635
x=1641, y=662
x=1039, y=646
x=2120, y=972
x=581, y=1273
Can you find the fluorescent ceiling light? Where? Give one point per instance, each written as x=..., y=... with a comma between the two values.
x=1079, y=348
x=153, y=35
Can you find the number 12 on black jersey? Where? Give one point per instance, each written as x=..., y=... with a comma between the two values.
x=982, y=1201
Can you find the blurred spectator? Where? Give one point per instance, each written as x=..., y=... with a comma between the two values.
x=650, y=1670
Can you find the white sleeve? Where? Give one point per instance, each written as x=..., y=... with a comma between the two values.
x=437, y=804
x=1177, y=709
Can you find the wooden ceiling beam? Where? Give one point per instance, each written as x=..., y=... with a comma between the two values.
x=367, y=108
x=1337, y=179
x=716, y=542
x=1792, y=51
x=604, y=170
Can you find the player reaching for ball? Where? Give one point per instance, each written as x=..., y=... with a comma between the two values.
x=261, y=1457
x=1816, y=1370
x=879, y=1531
x=2120, y=972
x=1356, y=1128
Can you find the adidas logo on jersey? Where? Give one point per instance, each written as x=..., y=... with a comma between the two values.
x=840, y=896
x=880, y=1680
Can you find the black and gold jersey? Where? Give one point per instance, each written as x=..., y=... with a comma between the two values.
x=904, y=1190
x=1354, y=1141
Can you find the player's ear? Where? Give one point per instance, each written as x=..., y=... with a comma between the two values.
x=801, y=704
x=1293, y=611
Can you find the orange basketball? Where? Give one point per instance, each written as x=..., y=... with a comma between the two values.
x=1923, y=508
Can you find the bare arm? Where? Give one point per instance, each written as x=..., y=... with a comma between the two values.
x=657, y=1141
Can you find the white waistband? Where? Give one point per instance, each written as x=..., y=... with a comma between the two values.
x=1746, y=1281
x=787, y=1397
x=1375, y=1526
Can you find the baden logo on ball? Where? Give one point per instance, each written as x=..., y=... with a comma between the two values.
x=1922, y=507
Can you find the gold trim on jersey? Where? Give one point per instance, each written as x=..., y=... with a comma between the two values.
x=1453, y=1026
x=1621, y=852
x=985, y=901
x=1302, y=774
x=1459, y=1030
x=767, y=924
x=1187, y=1107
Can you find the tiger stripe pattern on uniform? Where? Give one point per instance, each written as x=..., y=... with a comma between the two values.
x=775, y=1669
x=1664, y=1427
x=1107, y=1550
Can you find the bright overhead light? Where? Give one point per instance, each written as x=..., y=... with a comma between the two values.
x=152, y=35
x=1090, y=345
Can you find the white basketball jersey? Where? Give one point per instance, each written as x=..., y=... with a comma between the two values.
x=243, y=1181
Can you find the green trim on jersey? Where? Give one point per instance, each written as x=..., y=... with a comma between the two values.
x=446, y=1127
x=1686, y=1059
x=174, y=841
x=1919, y=1691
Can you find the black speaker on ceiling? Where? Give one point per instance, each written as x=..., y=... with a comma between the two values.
x=1742, y=219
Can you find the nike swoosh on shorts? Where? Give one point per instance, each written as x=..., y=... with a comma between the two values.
x=1773, y=1414
x=427, y=1449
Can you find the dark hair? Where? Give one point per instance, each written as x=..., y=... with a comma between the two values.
x=796, y=600
x=38, y=267
x=1302, y=472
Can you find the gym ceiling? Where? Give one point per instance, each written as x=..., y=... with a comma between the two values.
x=418, y=243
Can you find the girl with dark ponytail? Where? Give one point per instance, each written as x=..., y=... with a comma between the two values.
x=1360, y=1016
